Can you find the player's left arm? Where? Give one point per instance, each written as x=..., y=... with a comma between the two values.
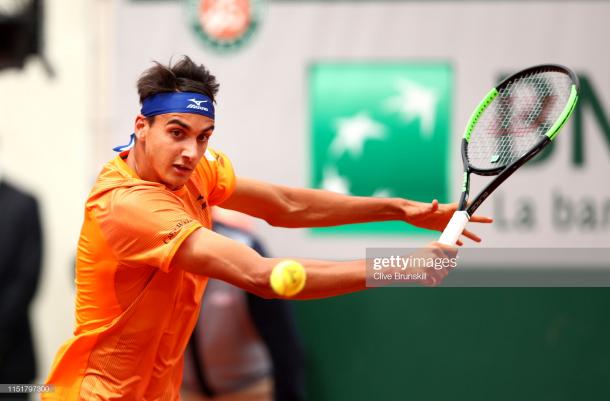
x=283, y=206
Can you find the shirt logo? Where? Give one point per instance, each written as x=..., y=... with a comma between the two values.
x=176, y=230
x=201, y=199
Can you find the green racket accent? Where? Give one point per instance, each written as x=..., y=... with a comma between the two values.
x=477, y=113
x=465, y=182
x=567, y=111
x=527, y=109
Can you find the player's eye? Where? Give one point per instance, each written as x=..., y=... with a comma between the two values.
x=176, y=133
x=203, y=138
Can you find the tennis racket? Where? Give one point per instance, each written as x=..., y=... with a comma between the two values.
x=512, y=124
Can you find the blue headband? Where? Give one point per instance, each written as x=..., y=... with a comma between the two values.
x=173, y=102
x=178, y=102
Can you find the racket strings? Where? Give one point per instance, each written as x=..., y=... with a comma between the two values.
x=518, y=118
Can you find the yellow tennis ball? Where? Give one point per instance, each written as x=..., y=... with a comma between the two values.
x=288, y=278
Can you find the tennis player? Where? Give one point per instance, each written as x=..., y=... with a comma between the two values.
x=146, y=249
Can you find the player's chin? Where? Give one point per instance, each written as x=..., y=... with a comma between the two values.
x=175, y=181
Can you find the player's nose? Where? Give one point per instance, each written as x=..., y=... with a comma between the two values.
x=189, y=151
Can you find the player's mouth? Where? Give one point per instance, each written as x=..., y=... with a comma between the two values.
x=182, y=169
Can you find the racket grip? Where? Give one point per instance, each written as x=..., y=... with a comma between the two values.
x=454, y=228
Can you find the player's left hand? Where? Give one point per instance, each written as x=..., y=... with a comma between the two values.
x=435, y=216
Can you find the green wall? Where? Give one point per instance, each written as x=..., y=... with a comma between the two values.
x=458, y=344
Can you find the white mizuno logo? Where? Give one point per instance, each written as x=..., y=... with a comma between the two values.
x=197, y=102
x=197, y=105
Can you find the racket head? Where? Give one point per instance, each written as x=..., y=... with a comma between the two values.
x=523, y=113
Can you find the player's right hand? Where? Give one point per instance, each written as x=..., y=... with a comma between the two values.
x=446, y=260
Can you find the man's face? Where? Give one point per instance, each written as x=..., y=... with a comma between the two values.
x=171, y=147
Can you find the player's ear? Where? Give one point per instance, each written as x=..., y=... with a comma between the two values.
x=141, y=127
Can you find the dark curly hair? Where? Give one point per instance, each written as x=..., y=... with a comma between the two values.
x=183, y=76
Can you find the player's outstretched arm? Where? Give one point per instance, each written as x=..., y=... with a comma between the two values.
x=283, y=206
x=210, y=254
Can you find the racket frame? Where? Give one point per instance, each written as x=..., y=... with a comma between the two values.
x=464, y=210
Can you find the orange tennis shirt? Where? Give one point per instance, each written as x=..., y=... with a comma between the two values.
x=134, y=315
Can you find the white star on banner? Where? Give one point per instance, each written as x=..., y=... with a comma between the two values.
x=382, y=193
x=415, y=101
x=332, y=181
x=352, y=132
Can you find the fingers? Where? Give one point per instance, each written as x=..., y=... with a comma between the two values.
x=448, y=253
x=481, y=219
x=471, y=235
x=434, y=206
x=444, y=258
x=435, y=278
x=431, y=281
x=443, y=250
x=476, y=219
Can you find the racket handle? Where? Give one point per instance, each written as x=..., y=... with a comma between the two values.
x=455, y=228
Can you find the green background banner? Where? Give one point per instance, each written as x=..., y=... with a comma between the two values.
x=381, y=129
x=458, y=344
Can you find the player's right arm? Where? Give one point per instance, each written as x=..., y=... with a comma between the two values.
x=210, y=254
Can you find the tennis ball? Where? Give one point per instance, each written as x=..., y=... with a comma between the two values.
x=287, y=278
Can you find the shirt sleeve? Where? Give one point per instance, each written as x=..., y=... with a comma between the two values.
x=225, y=178
x=146, y=226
